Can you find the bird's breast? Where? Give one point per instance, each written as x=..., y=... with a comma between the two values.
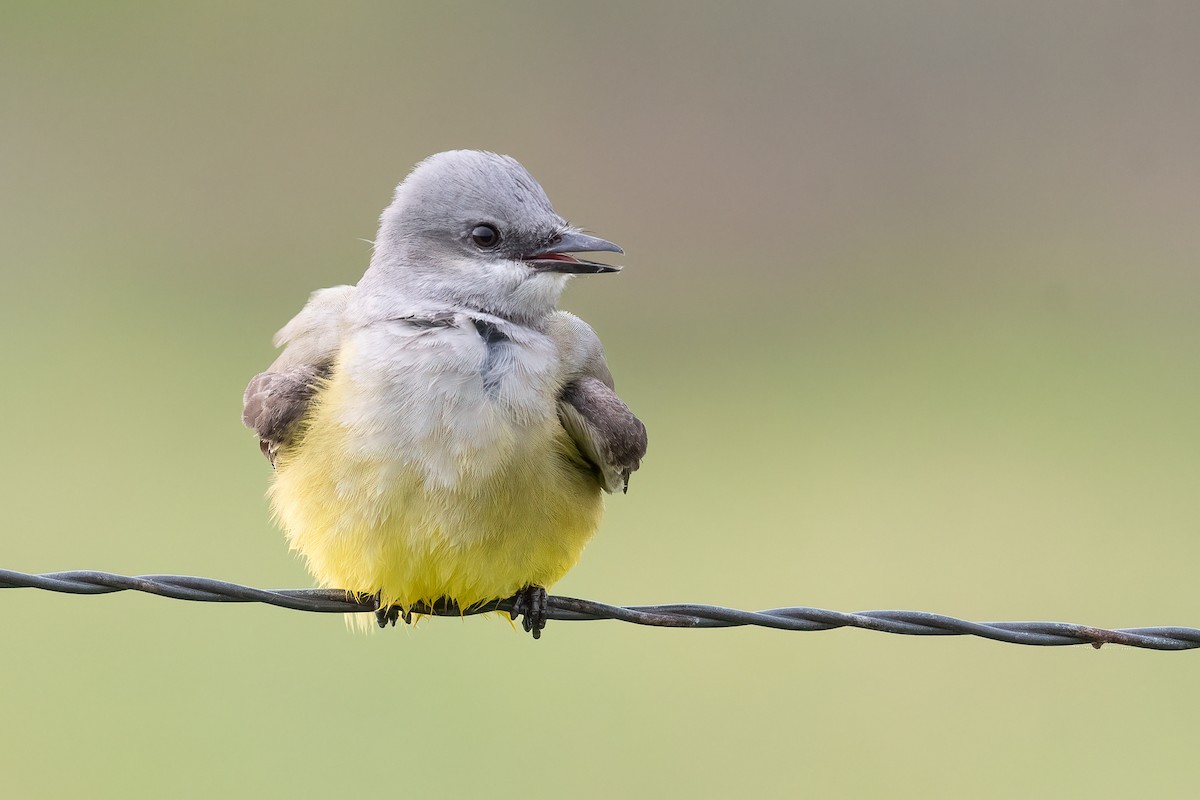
x=454, y=403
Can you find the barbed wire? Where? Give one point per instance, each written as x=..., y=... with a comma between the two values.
x=678, y=615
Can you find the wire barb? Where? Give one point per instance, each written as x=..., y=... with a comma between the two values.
x=336, y=601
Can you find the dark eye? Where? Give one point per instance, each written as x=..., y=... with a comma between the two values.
x=485, y=236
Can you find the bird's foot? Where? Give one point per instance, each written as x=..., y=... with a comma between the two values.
x=385, y=614
x=532, y=607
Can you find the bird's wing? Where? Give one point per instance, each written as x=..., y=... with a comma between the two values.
x=277, y=400
x=606, y=432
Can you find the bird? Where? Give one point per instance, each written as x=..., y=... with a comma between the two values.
x=441, y=432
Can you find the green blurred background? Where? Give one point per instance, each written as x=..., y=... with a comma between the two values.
x=910, y=310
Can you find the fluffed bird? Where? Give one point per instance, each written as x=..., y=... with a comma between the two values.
x=441, y=431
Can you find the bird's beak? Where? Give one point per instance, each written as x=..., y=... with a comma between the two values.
x=557, y=257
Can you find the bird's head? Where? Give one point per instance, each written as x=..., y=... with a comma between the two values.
x=474, y=229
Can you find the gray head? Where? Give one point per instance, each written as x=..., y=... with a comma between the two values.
x=474, y=230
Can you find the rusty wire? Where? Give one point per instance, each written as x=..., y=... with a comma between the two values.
x=910, y=623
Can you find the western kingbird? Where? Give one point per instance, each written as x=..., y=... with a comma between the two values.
x=441, y=431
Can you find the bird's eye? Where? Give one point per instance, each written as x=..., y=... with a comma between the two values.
x=485, y=236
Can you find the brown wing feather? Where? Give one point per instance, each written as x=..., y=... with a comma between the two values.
x=607, y=433
x=275, y=402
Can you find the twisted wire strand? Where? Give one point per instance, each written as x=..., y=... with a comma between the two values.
x=679, y=615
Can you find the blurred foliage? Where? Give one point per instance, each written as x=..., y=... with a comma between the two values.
x=909, y=310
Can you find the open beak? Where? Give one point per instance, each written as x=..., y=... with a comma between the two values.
x=557, y=257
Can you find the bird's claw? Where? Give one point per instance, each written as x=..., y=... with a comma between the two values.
x=532, y=607
x=385, y=614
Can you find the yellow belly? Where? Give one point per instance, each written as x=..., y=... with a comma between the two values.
x=370, y=524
